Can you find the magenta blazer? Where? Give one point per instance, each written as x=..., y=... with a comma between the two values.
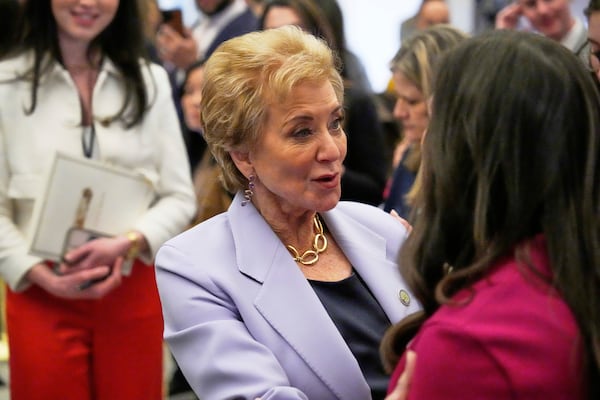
x=515, y=339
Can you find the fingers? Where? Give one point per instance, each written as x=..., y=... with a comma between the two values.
x=400, y=392
x=101, y=286
x=73, y=285
x=80, y=278
x=101, y=251
x=76, y=255
x=508, y=17
x=165, y=32
x=89, y=283
x=409, y=369
x=179, y=50
x=165, y=41
x=404, y=222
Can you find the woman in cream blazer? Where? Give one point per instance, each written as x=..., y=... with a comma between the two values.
x=70, y=85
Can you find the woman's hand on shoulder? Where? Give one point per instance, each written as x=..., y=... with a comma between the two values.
x=404, y=222
x=400, y=392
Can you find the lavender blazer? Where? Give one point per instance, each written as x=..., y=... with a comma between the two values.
x=243, y=322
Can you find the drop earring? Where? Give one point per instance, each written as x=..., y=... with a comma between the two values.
x=248, y=193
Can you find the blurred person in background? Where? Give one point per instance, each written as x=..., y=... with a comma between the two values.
x=364, y=174
x=256, y=6
x=551, y=18
x=431, y=12
x=412, y=74
x=592, y=12
x=221, y=20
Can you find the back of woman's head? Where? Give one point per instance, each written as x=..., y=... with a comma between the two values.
x=246, y=76
x=512, y=151
x=418, y=55
x=514, y=134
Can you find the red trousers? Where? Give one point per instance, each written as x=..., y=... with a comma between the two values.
x=106, y=349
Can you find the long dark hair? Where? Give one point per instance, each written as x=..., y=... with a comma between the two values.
x=593, y=5
x=9, y=15
x=122, y=41
x=512, y=151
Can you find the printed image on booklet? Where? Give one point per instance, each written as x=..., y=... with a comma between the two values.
x=83, y=195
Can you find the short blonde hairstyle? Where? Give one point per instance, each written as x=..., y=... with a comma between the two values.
x=247, y=75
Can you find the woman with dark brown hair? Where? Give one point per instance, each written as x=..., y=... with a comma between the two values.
x=504, y=254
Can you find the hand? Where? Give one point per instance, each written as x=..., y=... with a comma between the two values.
x=400, y=392
x=508, y=17
x=70, y=286
x=404, y=222
x=181, y=51
x=102, y=251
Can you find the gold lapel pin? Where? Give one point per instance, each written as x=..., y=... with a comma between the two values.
x=404, y=297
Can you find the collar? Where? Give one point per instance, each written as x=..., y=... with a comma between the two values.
x=576, y=36
x=54, y=68
x=209, y=26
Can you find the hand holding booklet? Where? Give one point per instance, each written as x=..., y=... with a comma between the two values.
x=84, y=199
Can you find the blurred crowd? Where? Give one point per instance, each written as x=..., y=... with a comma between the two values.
x=129, y=83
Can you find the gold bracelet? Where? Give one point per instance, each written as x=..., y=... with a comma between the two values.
x=134, y=249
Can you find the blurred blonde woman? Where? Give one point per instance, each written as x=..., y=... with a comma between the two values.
x=412, y=75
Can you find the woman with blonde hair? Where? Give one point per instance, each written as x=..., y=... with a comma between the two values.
x=288, y=293
x=412, y=68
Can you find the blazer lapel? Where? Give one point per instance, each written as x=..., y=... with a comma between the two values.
x=287, y=301
x=367, y=253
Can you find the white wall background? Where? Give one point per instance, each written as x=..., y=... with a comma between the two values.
x=373, y=30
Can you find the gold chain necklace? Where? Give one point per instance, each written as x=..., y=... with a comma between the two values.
x=309, y=257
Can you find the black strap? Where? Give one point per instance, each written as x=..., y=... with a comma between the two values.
x=87, y=141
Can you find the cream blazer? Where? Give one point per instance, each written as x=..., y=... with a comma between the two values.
x=28, y=143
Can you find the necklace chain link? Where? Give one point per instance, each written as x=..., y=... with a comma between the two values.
x=311, y=256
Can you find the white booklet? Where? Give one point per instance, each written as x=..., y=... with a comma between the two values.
x=83, y=199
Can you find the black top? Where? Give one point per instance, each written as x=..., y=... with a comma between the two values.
x=362, y=323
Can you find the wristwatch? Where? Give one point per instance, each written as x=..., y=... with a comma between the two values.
x=134, y=248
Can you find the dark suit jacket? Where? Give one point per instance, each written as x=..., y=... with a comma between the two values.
x=243, y=23
x=365, y=163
